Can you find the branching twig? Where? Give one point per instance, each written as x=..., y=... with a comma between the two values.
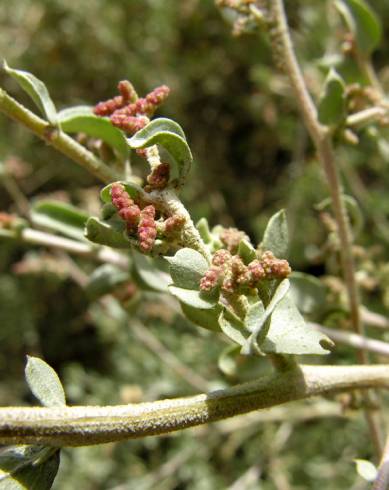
x=80, y=426
x=56, y=138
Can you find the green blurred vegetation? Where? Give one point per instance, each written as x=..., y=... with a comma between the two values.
x=253, y=157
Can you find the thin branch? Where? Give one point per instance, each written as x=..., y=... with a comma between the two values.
x=80, y=426
x=84, y=249
x=366, y=116
x=56, y=138
x=283, y=48
x=354, y=340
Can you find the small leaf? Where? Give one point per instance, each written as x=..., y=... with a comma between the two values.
x=276, y=237
x=170, y=136
x=332, y=102
x=132, y=189
x=44, y=383
x=104, y=279
x=307, y=292
x=36, y=89
x=246, y=251
x=289, y=334
x=208, y=319
x=60, y=217
x=203, y=228
x=28, y=467
x=82, y=120
x=365, y=469
x=187, y=267
x=104, y=233
x=232, y=326
x=150, y=275
x=193, y=298
x=362, y=22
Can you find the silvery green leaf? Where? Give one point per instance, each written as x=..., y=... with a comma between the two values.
x=105, y=233
x=232, y=326
x=275, y=237
x=208, y=319
x=36, y=89
x=28, y=467
x=193, y=298
x=150, y=275
x=44, y=383
x=246, y=251
x=187, y=267
x=307, y=292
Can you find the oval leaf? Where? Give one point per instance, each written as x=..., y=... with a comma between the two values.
x=208, y=319
x=44, y=383
x=362, y=22
x=28, y=468
x=187, y=267
x=193, y=298
x=149, y=274
x=366, y=469
x=276, y=235
x=232, y=326
x=104, y=279
x=332, y=102
x=36, y=89
x=82, y=120
x=61, y=217
x=103, y=233
x=170, y=136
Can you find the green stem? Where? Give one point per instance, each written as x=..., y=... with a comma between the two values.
x=56, y=138
x=80, y=426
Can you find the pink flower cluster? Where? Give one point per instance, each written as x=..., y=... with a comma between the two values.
x=231, y=237
x=127, y=111
x=159, y=177
x=140, y=221
x=231, y=274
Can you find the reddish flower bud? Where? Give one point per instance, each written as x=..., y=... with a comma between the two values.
x=147, y=229
x=159, y=177
x=256, y=271
x=210, y=279
x=221, y=257
x=127, y=91
x=174, y=223
x=231, y=237
x=126, y=207
x=273, y=267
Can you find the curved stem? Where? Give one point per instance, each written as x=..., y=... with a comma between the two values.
x=56, y=138
x=283, y=50
x=80, y=426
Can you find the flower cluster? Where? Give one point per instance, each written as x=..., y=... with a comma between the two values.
x=231, y=274
x=231, y=237
x=159, y=177
x=140, y=219
x=127, y=111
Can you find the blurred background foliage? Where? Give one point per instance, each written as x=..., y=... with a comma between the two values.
x=253, y=156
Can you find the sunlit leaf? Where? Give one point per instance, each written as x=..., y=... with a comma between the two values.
x=36, y=89
x=44, y=383
x=104, y=233
x=276, y=236
x=170, y=136
x=187, y=268
x=208, y=319
x=366, y=469
x=82, y=120
x=193, y=298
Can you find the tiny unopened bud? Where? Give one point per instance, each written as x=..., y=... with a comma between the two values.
x=210, y=279
x=147, y=229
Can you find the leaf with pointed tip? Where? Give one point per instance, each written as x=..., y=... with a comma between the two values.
x=208, y=319
x=44, y=383
x=131, y=188
x=362, y=22
x=246, y=251
x=276, y=236
x=187, y=267
x=332, y=102
x=171, y=138
x=154, y=278
x=60, y=217
x=36, y=89
x=82, y=120
x=105, y=233
x=193, y=298
x=289, y=334
x=28, y=467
